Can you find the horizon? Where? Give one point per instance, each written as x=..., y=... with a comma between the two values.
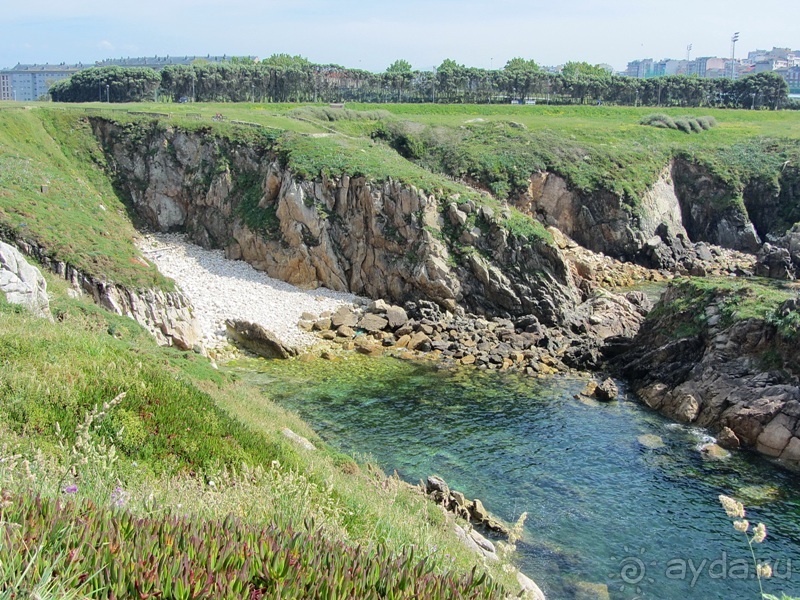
x=371, y=36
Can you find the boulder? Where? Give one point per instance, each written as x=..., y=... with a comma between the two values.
x=22, y=283
x=727, y=439
x=396, y=316
x=258, y=340
x=372, y=323
x=435, y=483
x=606, y=391
x=344, y=317
x=377, y=307
x=298, y=439
x=529, y=588
x=420, y=342
x=478, y=512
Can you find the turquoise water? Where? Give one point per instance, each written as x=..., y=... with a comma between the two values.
x=602, y=507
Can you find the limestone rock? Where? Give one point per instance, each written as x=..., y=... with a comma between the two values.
x=22, y=283
x=258, y=340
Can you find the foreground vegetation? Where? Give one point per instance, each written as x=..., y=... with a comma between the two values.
x=184, y=485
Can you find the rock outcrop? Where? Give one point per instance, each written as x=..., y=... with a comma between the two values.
x=22, y=283
x=697, y=362
x=166, y=315
x=603, y=221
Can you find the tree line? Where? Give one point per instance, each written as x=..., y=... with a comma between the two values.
x=284, y=78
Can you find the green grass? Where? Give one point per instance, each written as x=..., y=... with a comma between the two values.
x=79, y=219
x=181, y=425
x=737, y=300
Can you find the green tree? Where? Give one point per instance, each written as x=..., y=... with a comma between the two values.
x=573, y=69
x=521, y=77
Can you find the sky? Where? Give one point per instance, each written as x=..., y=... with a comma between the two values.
x=372, y=34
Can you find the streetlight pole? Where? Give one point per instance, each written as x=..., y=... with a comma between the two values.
x=734, y=39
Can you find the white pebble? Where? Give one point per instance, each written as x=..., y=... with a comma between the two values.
x=221, y=289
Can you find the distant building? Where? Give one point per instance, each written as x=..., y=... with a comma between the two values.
x=30, y=82
x=676, y=67
x=640, y=68
x=792, y=77
x=5, y=86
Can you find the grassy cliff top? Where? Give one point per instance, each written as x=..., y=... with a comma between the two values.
x=736, y=299
x=499, y=146
x=54, y=191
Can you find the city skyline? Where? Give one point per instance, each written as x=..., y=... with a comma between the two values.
x=372, y=35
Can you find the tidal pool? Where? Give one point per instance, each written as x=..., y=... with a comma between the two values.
x=616, y=495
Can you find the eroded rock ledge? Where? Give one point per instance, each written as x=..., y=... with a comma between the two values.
x=702, y=358
x=166, y=315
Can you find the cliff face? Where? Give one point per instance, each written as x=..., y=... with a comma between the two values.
x=602, y=222
x=382, y=240
x=685, y=202
x=695, y=361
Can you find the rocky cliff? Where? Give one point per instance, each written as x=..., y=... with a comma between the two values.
x=724, y=355
x=686, y=203
x=377, y=239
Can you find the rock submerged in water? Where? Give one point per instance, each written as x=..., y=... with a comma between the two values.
x=651, y=441
x=714, y=452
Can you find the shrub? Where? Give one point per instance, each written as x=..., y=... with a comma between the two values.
x=685, y=124
x=658, y=120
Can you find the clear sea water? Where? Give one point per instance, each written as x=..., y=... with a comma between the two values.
x=603, y=508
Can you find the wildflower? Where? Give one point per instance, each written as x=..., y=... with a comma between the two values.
x=764, y=570
x=71, y=489
x=742, y=526
x=759, y=533
x=732, y=508
x=119, y=497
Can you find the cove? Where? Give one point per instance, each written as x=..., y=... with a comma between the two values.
x=603, y=507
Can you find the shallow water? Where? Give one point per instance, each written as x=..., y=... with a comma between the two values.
x=603, y=507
